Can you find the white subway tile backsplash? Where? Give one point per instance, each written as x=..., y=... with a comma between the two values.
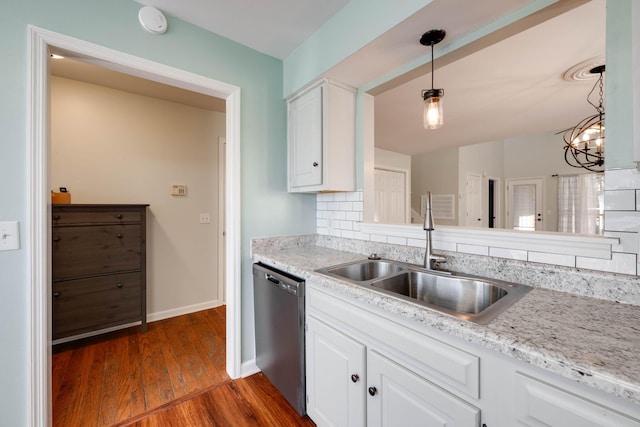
x=620, y=263
x=620, y=200
x=508, y=253
x=378, y=238
x=341, y=215
x=321, y=197
x=354, y=196
x=628, y=241
x=353, y=216
x=348, y=234
x=339, y=197
x=346, y=206
x=397, y=240
x=362, y=236
x=416, y=243
x=622, y=221
x=346, y=225
x=473, y=249
x=621, y=179
x=324, y=231
x=555, y=259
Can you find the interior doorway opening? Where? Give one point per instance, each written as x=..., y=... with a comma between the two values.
x=40, y=43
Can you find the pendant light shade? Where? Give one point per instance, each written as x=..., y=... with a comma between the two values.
x=433, y=115
x=433, y=112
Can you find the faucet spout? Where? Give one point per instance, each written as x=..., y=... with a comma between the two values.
x=429, y=257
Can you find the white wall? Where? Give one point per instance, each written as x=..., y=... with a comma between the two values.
x=110, y=146
x=391, y=159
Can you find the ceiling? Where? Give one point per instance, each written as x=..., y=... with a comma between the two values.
x=504, y=88
x=512, y=88
x=274, y=27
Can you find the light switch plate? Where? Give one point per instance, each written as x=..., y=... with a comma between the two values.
x=9, y=236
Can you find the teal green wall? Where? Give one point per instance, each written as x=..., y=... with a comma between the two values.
x=267, y=209
x=619, y=102
x=355, y=25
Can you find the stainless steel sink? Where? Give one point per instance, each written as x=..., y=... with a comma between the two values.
x=471, y=298
x=362, y=271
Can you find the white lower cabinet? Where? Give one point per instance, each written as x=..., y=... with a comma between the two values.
x=351, y=385
x=335, y=376
x=366, y=367
x=399, y=397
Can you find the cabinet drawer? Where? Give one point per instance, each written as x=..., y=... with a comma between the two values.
x=93, y=250
x=62, y=217
x=84, y=304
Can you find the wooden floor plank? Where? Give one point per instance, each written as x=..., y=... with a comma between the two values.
x=174, y=375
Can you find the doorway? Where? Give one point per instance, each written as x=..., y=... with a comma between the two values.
x=39, y=341
x=525, y=204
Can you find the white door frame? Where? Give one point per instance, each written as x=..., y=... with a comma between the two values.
x=39, y=313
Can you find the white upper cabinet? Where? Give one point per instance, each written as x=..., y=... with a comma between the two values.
x=321, y=138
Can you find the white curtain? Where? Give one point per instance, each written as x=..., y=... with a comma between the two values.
x=581, y=203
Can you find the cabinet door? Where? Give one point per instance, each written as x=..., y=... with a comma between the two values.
x=539, y=404
x=305, y=139
x=335, y=376
x=398, y=397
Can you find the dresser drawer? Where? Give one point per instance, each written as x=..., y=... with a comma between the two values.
x=63, y=217
x=94, y=250
x=87, y=304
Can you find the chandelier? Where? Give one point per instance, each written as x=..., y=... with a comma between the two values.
x=584, y=143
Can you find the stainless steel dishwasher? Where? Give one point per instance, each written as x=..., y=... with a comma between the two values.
x=278, y=300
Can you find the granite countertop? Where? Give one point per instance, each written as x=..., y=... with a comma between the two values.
x=592, y=341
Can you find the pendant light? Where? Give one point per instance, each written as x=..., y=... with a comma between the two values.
x=433, y=116
x=584, y=143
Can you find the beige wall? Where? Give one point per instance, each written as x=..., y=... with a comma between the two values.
x=110, y=146
x=436, y=172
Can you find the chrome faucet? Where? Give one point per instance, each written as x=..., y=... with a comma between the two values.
x=429, y=258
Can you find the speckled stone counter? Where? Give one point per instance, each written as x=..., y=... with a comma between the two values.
x=592, y=341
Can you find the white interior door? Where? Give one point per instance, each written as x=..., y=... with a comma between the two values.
x=392, y=196
x=525, y=204
x=474, y=217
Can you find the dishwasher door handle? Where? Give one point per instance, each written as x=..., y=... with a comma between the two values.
x=272, y=279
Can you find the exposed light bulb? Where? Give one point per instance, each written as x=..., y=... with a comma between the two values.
x=433, y=112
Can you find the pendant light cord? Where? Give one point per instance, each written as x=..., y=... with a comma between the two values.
x=432, y=86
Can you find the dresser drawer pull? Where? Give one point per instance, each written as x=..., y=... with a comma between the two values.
x=56, y=217
x=56, y=239
x=119, y=285
x=119, y=216
x=56, y=294
x=119, y=235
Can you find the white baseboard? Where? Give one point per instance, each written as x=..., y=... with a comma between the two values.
x=249, y=368
x=166, y=314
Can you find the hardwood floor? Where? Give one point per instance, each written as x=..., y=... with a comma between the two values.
x=172, y=375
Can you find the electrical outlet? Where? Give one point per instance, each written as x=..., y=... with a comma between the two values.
x=9, y=236
x=205, y=218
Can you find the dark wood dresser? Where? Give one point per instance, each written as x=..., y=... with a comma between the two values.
x=98, y=267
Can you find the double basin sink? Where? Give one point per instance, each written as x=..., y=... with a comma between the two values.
x=471, y=298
